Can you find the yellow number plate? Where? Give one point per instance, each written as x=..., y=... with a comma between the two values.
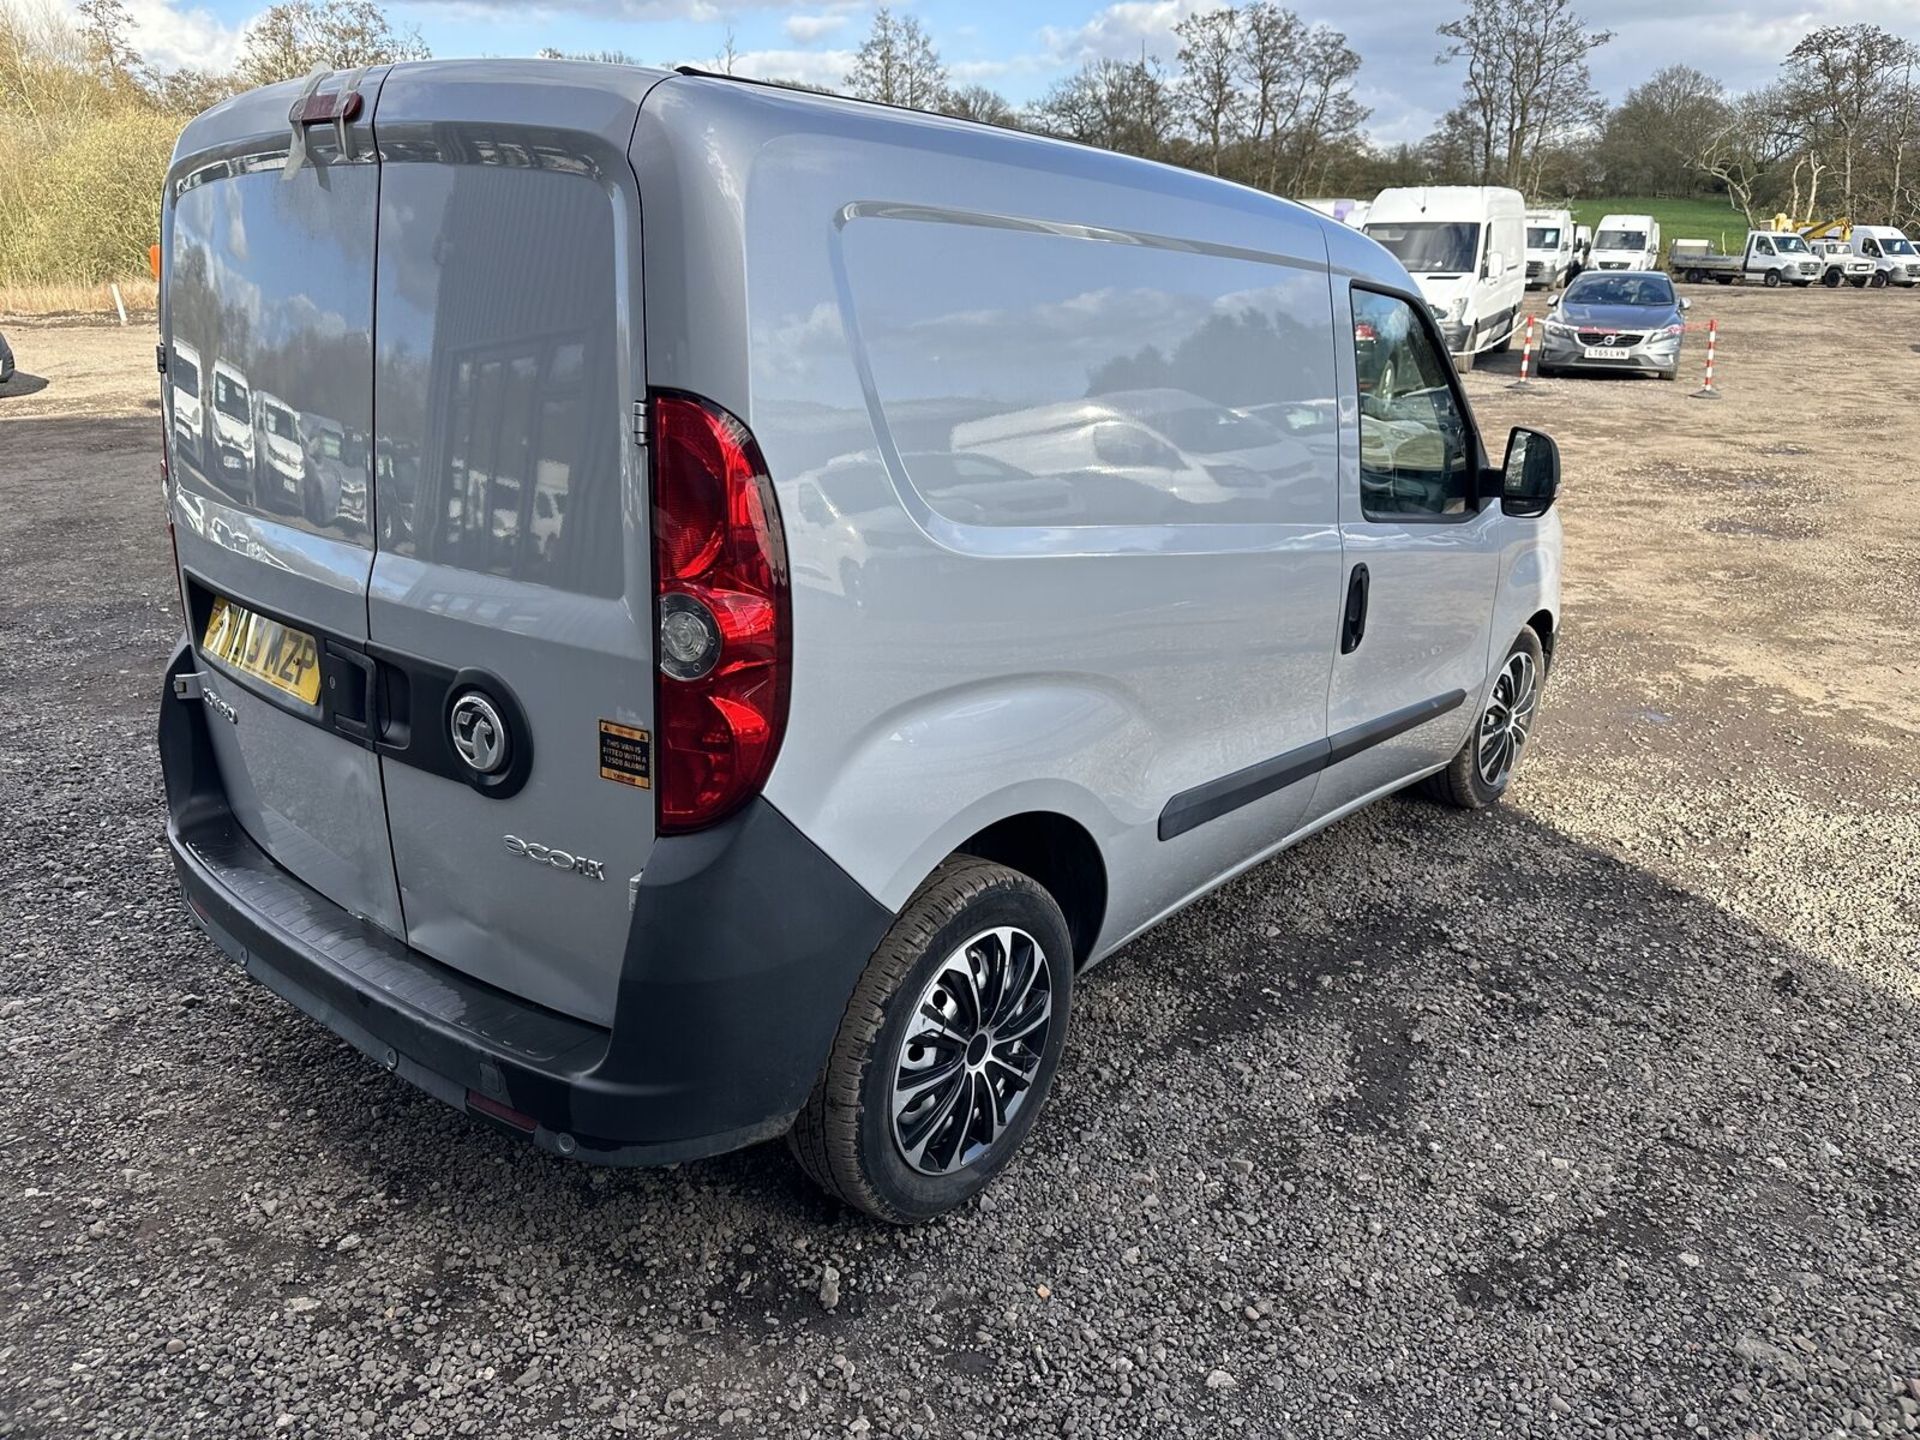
x=285, y=658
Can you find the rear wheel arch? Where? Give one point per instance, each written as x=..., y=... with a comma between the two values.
x=1541, y=623
x=1061, y=855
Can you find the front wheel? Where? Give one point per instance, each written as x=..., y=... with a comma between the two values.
x=1772, y=280
x=948, y=1047
x=1480, y=773
x=1832, y=279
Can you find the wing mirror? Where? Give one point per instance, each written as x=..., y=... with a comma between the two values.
x=1685, y=304
x=1530, y=475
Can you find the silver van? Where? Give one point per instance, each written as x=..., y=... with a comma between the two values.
x=814, y=578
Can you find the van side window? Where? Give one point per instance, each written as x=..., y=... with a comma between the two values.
x=1415, y=456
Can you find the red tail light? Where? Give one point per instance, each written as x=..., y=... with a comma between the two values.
x=723, y=627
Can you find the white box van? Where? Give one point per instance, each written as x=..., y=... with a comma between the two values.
x=826, y=575
x=1895, y=260
x=1465, y=246
x=1550, y=249
x=1626, y=242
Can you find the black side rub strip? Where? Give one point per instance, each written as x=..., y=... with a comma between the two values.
x=1215, y=798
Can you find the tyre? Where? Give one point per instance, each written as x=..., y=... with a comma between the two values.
x=1481, y=772
x=1696, y=277
x=1879, y=281
x=1506, y=343
x=947, y=1050
x=1832, y=279
x=1772, y=280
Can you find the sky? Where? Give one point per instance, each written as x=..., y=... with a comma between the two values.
x=1020, y=47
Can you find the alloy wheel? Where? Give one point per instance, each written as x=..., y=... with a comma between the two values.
x=1507, y=719
x=971, y=1050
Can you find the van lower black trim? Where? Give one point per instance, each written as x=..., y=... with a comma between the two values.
x=1210, y=801
x=743, y=950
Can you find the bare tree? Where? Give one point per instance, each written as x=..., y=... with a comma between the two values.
x=295, y=37
x=1841, y=78
x=107, y=30
x=1269, y=71
x=1116, y=104
x=1649, y=139
x=1745, y=151
x=897, y=64
x=979, y=102
x=1527, y=87
x=1207, y=92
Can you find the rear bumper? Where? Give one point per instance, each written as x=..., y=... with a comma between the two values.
x=743, y=950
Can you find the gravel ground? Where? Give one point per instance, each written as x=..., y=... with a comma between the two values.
x=1595, y=1115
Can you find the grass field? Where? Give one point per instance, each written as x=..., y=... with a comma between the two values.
x=1705, y=219
x=77, y=300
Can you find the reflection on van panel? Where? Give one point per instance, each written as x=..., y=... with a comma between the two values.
x=1144, y=456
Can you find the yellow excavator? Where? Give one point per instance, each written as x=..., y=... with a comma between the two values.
x=1838, y=228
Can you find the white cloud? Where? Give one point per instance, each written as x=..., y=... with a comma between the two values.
x=1120, y=30
x=806, y=29
x=815, y=67
x=172, y=36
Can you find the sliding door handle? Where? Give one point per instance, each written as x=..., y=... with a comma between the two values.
x=1353, y=621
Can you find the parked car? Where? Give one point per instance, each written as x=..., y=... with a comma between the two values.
x=1551, y=252
x=1466, y=247
x=1773, y=257
x=1895, y=260
x=698, y=849
x=1625, y=242
x=1615, y=320
x=6, y=360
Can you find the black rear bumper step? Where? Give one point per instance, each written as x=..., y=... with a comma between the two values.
x=743, y=950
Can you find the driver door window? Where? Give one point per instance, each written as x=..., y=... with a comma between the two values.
x=1414, y=451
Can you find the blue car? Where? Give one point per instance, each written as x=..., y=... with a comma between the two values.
x=1616, y=320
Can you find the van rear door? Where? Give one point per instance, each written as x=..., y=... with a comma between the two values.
x=511, y=598
x=268, y=288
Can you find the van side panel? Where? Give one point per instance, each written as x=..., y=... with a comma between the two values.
x=1054, y=440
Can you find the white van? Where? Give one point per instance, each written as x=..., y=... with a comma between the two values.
x=231, y=463
x=1626, y=242
x=1550, y=249
x=815, y=625
x=1895, y=259
x=184, y=402
x=1465, y=246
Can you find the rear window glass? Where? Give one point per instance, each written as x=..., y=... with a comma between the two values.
x=1051, y=379
x=502, y=397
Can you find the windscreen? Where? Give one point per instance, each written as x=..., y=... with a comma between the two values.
x=1790, y=244
x=1620, y=240
x=229, y=398
x=1897, y=245
x=1431, y=247
x=1543, y=237
x=1596, y=288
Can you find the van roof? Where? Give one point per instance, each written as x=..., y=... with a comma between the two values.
x=714, y=114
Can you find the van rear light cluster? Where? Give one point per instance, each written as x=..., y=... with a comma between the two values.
x=722, y=613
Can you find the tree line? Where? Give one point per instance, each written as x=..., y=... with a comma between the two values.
x=1255, y=94
x=1250, y=92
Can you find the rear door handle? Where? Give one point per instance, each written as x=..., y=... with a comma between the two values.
x=1353, y=622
